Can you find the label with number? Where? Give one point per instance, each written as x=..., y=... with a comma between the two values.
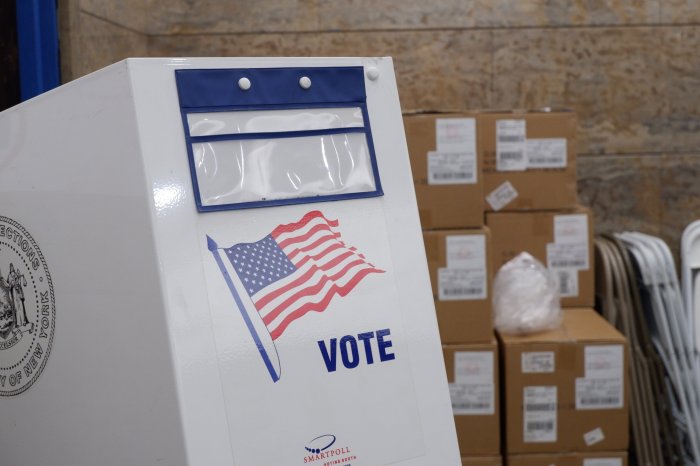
x=510, y=145
x=540, y=414
x=461, y=284
x=602, y=387
x=538, y=362
x=567, y=256
x=567, y=282
x=473, y=390
x=546, y=153
x=455, y=135
x=501, y=196
x=451, y=168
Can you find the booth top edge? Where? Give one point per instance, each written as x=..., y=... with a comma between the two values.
x=252, y=62
x=137, y=64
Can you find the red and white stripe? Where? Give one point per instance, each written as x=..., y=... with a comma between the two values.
x=326, y=268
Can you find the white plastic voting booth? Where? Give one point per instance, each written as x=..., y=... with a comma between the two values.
x=216, y=262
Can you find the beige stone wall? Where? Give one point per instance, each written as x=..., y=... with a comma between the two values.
x=630, y=68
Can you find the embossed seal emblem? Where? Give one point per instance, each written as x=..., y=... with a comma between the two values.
x=27, y=309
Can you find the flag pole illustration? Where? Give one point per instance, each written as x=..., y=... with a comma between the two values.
x=273, y=369
x=298, y=268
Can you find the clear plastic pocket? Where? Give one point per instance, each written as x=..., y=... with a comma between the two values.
x=251, y=158
x=265, y=121
x=254, y=170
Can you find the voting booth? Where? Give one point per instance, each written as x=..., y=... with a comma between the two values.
x=209, y=262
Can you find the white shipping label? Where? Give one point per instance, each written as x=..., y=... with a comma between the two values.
x=474, y=367
x=546, y=153
x=602, y=387
x=466, y=252
x=510, y=145
x=472, y=399
x=501, y=196
x=473, y=391
x=538, y=362
x=571, y=229
x=594, y=436
x=567, y=282
x=456, y=135
x=461, y=284
x=540, y=414
x=602, y=462
x=451, y=168
x=567, y=256
x=598, y=393
x=603, y=362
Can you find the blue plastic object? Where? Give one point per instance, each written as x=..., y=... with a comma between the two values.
x=37, y=37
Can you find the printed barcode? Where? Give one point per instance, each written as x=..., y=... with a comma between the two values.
x=565, y=283
x=510, y=155
x=462, y=291
x=546, y=426
x=509, y=138
x=568, y=264
x=540, y=407
x=545, y=160
x=612, y=400
x=452, y=175
x=471, y=405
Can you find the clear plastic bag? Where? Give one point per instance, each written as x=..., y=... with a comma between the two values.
x=525, y=297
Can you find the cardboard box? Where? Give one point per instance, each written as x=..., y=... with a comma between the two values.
x=460, y=274
x=472, y=373
x=446, y=168
x=617, y=458
x=529, y=159
x=566, y=390
x=482, y=461
x=561, y=240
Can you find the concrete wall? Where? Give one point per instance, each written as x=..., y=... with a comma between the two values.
x=630, y=68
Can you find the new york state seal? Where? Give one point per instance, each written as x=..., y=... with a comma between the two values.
x=27, y=309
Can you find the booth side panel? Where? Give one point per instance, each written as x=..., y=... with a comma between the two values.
x=71, y=175
x=193, y=351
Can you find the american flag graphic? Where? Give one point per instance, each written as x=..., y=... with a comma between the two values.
x=298, y=268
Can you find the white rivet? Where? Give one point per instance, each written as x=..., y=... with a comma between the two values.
x=244, y=84
x=372, y=73
x=305, y=82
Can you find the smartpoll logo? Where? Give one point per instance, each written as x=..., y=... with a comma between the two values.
x=322, y=449
x=297, y=268
x=320, y=443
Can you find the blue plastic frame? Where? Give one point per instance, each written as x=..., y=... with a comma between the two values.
x=37, y=38
x=216, y=90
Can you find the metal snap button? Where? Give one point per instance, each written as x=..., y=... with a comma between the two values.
x=372, y=73
x=305, y=82
x=244, y=84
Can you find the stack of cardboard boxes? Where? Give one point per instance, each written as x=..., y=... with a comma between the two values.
x=489, y=186
x=565, y=394
x=530, y=189
x=446, y=165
